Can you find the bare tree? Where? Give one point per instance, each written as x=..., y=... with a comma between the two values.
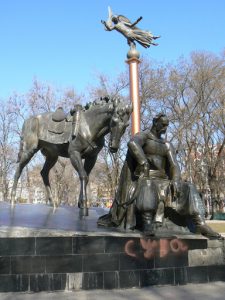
x=7, y=151
x=191, y=92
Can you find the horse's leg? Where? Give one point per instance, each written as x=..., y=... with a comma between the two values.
x=77, y=163
x=25, y=157
x=28, y=147
x=89, y=163
x=88, y=166
x=48, y=165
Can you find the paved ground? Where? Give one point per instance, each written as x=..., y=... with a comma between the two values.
x=209, y=291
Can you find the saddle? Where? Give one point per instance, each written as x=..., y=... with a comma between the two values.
x=57, y=121
x=60, y=127
x=59, y=115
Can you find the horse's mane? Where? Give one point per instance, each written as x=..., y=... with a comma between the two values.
x=102, y=101
x=120, y=108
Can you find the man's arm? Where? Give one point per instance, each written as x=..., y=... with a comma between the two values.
x=135, y=147
x=174, y=168
x=108, y=25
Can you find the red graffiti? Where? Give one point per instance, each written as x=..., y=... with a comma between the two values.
x=153, y=248
x=150, y=247
x=129, y=248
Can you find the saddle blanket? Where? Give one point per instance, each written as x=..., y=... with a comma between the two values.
x=56, y=132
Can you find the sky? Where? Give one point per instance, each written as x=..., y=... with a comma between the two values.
x=63, y=43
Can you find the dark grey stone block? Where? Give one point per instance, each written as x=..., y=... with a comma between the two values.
x=27, y=264
x=216, y=273
x=54, y=246
x=100, y=262
x=156, y=277
x=180, y=276
x=39, y=283
x=4, y=265
x=197, y=274
x=89, y=245
x=64, y=264
x=134, y=263
x=172, y=260
x=14, y=283
x=196, y=243
x=57, y=282
x=111, y=280
x=129, y=279
x=92, y=281
x=17, y=246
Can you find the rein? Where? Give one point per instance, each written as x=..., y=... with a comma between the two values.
x=93, y=146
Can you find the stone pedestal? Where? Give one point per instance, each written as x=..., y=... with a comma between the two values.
x=50, y=259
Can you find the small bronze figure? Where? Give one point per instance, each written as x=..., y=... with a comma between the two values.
x=78, y=136
x=129, y=30
x=151, y=188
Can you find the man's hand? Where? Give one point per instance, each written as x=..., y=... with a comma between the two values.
x=176, y=186
x=145, y=169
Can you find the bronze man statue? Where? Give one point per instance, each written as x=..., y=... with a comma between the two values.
x=150, y=183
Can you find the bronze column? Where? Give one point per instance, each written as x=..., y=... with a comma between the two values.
x=133, y=62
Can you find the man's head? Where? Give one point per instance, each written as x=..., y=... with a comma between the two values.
x=160, y=124
x=115, y=19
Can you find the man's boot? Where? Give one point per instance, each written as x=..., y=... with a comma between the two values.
x=159, y=216
x=203, y=228
x=147, y=223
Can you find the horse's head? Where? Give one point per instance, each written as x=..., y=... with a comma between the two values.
x=118, y=124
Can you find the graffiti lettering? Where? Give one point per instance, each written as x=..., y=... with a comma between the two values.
x=152, y=248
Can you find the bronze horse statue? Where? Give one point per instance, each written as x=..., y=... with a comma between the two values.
x=78, y=136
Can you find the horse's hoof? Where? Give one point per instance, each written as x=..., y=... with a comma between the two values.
x=83, y=212
x=50, y=203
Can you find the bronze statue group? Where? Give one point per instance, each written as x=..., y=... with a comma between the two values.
x=151, y=192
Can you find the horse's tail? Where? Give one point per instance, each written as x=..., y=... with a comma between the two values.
x=29, y=136
x=21, y=142
x=21, y=147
